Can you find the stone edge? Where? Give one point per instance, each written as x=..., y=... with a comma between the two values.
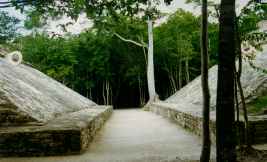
x=73, y=138
x=193, y=123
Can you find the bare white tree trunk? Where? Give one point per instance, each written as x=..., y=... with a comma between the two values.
x=180, y=79
x=150, y=64
x=141, y=92
x=104, y=94
x=173, y=84
x=187, y=75
x=150, y=59
x=107, y=93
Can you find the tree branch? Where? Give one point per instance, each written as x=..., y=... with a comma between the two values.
x=130, y=41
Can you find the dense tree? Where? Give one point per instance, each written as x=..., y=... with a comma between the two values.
x=177, y=50
x=8, y=27
x=97, y=59
x=100, y=11
x=57, y=60
x=97, y=10
x=225, y=127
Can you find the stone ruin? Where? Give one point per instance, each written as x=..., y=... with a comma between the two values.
x=185, y=106
x=40, y=116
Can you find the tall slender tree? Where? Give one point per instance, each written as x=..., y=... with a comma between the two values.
x=225, y=112
x=150, y=63
x=205, y=153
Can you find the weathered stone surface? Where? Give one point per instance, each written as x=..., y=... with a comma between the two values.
x=186, y=119
x=8, y=116
x=254, y=84
x=67, y=134
x=185, y=106
x=3, y=50
x=193, y=123
x=31, y=96
x=40, y=116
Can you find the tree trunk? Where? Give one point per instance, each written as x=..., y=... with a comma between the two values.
x=239, y=84
x=150, y=65
x=108, y=92
x=225, y=109
x=205, y=153
x=180, y=79
x=236, y=98
x=172, y=81
x=90, y=94
x=142, y=92
x=187, y=75
x=104, y=93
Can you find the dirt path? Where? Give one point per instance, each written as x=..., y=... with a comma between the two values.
x=133, y=135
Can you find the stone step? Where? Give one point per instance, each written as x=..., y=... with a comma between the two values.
x=68, y=134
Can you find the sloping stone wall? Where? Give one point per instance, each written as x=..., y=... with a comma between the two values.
x=254, y=83
x=39, y=116
x=29, y=92
x=68, y=134
x=185, y=106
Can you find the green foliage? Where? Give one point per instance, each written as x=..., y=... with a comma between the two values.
x=250, y=16
x=248, y=19
x=52, y=56
x=248, y=26
x=87, y=61
x=258, y=105
x=34, y=20
x=8, y=27
x=178, y=40
x=95, y=10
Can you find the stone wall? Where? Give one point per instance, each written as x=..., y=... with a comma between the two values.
x=190, y=122
x=40, y=116
x=68, y=134
x=193, y=123
x=9, y=117
x=258, y=129
x=254, y=83
x=185, y=106
x=29, y=92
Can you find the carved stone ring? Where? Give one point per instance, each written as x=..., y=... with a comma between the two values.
x=14, y=58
